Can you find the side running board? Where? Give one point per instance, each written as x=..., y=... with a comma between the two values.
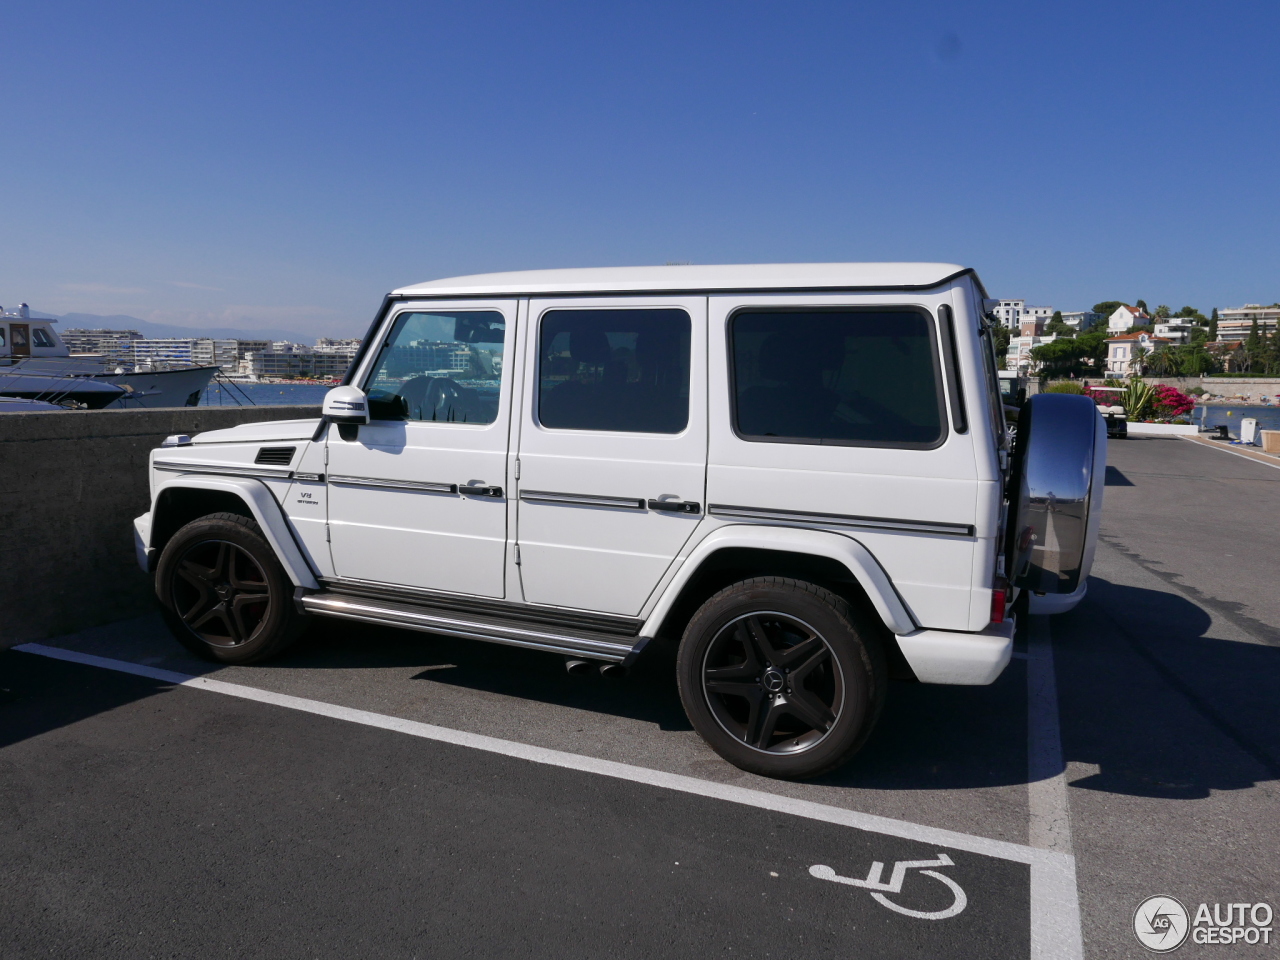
x=411, y=616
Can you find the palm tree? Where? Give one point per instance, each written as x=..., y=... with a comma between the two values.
x=1135, y=362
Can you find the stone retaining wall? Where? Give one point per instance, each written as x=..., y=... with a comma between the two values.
x=71, y=483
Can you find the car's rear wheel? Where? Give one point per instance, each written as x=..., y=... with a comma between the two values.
x=224, y=594
x=781, y=677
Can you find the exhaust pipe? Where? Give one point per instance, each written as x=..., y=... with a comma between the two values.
x=614, y=671
x=578, y=668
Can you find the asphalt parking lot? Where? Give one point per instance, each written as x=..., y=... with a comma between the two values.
x=148, y=817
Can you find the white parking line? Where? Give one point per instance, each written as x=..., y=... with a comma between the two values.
x=1054, y=908
x=1056, y=934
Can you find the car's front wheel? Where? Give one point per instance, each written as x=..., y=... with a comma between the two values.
x=223, y=593
x=781, y=678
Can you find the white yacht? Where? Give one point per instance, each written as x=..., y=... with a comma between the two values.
x=36, y=365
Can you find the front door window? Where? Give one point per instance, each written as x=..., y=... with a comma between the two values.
x=443, y=367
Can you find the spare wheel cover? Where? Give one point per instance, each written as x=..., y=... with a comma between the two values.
x=1057, y=495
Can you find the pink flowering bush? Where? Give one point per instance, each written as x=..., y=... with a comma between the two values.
x=1169, y=402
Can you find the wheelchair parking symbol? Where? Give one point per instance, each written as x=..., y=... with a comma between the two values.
x=879, y=888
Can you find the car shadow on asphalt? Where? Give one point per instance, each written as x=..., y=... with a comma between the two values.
x=928, y=738
x=39, y=694
x=1160, y=706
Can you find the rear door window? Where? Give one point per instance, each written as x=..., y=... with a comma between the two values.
x=623, y=371
x=840, y=377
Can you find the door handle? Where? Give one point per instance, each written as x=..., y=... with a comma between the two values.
x=480, y=490
x=675, y=506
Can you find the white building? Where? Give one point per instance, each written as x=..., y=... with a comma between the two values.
x=163, y=348
x=208, y=352
x=1234, y=324
x=1176, y=331
x=1081, y=320
x=1125, y=317
x=114, y=346
x=331, y=358
x=1127, y=353
x=1011, y=313
x=280, y=359
x=1019, y=356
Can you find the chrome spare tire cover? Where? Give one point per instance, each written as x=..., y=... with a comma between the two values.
x=1059, y=469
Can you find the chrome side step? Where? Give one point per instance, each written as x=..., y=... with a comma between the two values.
x=552, y=639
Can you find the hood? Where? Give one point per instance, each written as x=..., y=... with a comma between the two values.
x=260, y=432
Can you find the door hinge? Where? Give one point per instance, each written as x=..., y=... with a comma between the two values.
x=517, y=468
x=326, y=534
x=517, y=546
x=326, y=454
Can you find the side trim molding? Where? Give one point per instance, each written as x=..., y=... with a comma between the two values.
x=422, y=486
x=224, y=469
x=581, y=499
x=841, y=520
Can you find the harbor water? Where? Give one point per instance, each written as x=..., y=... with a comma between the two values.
x=1215, y=414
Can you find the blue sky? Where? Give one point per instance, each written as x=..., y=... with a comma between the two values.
x=285, y=164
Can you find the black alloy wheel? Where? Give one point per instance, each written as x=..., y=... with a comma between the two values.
x=782, y=678
x=223, y=592
x=771, y=681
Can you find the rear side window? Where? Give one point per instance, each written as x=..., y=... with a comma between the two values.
x=617, y=370
x=853, y=377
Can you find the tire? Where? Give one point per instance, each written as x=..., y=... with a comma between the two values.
x=781, y=678
x=223, y=593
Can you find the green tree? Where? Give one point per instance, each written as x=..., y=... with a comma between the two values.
x=1142, y=305
x=1192, y=359
x=1138, y=360
x=1273, y=351
x=1162, y=312
x=1061, y=358
x=1093, y=347
x=1254, y=352
x=1000, y=340
x=1213, y=324
x=1164, y=362
x=1057, y=317
x=1141, y=328
x=1198, y=335
x=1057, y=326
x=1107, y=307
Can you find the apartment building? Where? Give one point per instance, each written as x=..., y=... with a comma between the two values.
x=1012, y=313
x=1234, y=324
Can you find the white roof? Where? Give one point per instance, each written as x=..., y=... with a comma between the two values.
x=744, y=276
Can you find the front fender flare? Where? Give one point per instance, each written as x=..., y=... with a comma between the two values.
x=843, y=549
x=265, y=510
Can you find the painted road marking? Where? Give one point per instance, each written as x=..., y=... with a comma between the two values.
x=1055, y=910
x=894, y=885
x=1058, y=933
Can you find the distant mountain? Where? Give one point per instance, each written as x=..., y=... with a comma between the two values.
x=148, y=329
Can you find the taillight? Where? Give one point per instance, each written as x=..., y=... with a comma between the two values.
x=999, y=599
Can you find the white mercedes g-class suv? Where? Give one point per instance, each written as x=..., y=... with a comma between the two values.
x=799, y=473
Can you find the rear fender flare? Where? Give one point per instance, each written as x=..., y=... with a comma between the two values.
x=843, y=549
x=265, y=510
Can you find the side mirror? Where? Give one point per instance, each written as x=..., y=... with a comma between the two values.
x=346, y=405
